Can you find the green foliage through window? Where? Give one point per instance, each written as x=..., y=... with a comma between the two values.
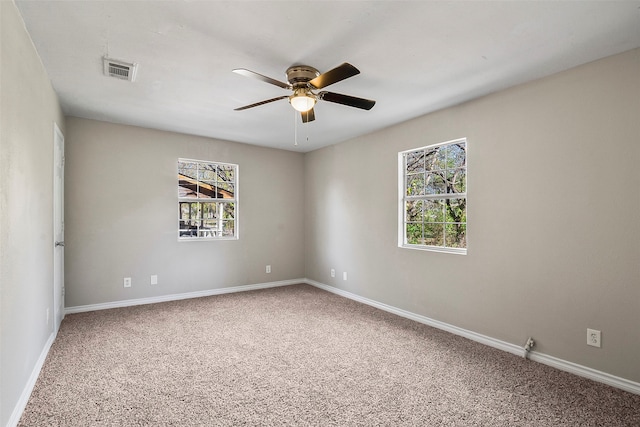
x=435, y=196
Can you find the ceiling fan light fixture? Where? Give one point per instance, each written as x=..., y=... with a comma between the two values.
x=302, y=102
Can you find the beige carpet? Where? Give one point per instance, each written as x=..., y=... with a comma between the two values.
x=298, y=356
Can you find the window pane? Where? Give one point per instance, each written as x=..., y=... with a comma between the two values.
x=434, y=234
x=210, y=224
x=189, y=231
x=430, y=158
x=186, y=192
x=188, y=223
x=206, y=232
x=228, y=228
x=440, y=161
x=208, y=228
x=226, y=173
x=434, y=211
x=414, y=234
x=413, y=211
x=435, y=184
x=456, y=235
x=206, y=172
x=190, y=210
x=225, y=190
x=184, y=210
x=456, y=210
x=187, y=186
x=457, y=181
x=208, y=210
x=205, y=191
x=228, y=211
x=415, y=161
x=188, y=169
x=456, y=155
x=415, y=184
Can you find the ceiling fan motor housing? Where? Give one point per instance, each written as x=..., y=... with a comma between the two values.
x=299, y=75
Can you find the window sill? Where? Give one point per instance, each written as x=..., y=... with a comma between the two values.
x=457, y=251
x=205, y=239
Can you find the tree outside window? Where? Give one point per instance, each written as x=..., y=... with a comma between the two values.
x=434, y=197
x=207, y=200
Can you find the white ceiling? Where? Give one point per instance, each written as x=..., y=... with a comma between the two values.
x=414, y=57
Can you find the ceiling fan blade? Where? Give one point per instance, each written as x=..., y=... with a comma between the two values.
x=308, y=116
x=253, y=74
x=351, y=101
x=260, y=103
x=339, y=73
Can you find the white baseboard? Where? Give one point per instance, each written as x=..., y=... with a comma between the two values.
x=586, y=372
x=31, y=382
x=583, y=371
x=175, y=297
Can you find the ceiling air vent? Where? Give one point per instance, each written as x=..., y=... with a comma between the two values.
x=120, y=69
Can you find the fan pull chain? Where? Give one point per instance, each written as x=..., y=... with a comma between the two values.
x=295, y=128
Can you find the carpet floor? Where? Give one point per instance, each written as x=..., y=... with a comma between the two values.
x=298, y=356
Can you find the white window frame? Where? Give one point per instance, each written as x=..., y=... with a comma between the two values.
x=403, y=198
x=220, y=219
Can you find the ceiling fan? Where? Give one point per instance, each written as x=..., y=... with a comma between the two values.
x=303, y=80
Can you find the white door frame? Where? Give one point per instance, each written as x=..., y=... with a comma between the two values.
x=58, y=227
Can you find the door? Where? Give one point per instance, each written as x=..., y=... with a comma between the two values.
x=58, y=227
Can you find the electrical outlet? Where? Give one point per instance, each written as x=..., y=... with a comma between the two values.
x=344, y=275
x=333, y=272
x=154, y=279
x=127, y=282
x=593, y=338
x=268, y=269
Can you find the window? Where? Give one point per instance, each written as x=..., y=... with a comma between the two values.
x=207, y=200
x=433, y=202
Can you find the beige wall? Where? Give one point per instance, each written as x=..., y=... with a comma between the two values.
x=28, y=109
x=554, y=240
x=122, y=215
